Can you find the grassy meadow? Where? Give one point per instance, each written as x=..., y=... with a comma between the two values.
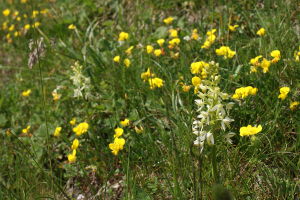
x=149, y=99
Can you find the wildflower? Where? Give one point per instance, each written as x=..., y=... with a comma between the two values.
x=261, y=32
x=157, y=52
x=197, y=67
x=27, y=27
x=11, y=28
x=123, y=36
x=6, y=12
x=24, y=1
x=155, y=83
x=195, y=35
x=118, y=132
x=117, y=145
x=297, y=56
x=196, y=81
x=128, y=51
x=243, y=92
x=26, y=93
x=283, y=92
x=210, y=39
x=17, y=33
x=73, y=121
x=117, y=59
x=127, y=62
x=173, y=33
x=26, y=130
x=72, y=157
x=174, y=55
x=125, y=122
x=174, y=42
x=225, y=51
x=265, y=64
x=186, y=88
x=75, y=144
x=232, y=28
x=34, y=13
x=72, y=27
x=36, y=24
x=249, y=130
x=57, y=132
x=149, y=49
x=255, y=61
x=81, y=128
x=160, y=42
x=56, y=96
x=276, y=56
x=294, y=104
x=146, y=75
x=139, y=130
x=168, y=20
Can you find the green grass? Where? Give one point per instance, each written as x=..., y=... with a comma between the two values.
x=161, y=162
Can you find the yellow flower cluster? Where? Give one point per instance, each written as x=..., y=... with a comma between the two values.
x=225, y=51
x=259, y=61
x=153, y=81
x=81, y=128
x=283, y=92
x=297, y=55
x=294, y=105
x=168, y=20
x=146, y=75
x=26, y=93
x=125, y=122
x=72, y=157
x=25, y=131
x=195, y=35
x=210, y=39
x=57, y=132
x=117, y=145
x=123, y=36
x=126, y=61
x=276, y=56
x=243, y=92
x=261, y=32
x=249, y=130
x=232, y=28
x=199, y=68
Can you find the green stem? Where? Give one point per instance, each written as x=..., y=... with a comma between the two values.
x=214, y=165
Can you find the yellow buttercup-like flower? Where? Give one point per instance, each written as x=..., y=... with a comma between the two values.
x=73, y=121
x=72, y=157
x=119, y=132
x=139, y=129
x=125, y=122
x=26, y=93
x=72, y=27
x=75, y=144
x=249, y=130
x=6, y=12
x=26, y=130
x=81, y=128
x=232, y=28
x=173, y=33
x=276, y=56
x=168, y=20
x=196, y=81
x=117, y=59
x=157, y=52
x=123, y=36
x=160, y=42
x=225, y=51
x=57, y=132
x=243, y=92
x=155, y=83
x=294, y=105
x=149, y=49
x=283, y=92
x=129, y=50
x=127, y=62
x=117, y=145
x=261, y=32
x=146, y=75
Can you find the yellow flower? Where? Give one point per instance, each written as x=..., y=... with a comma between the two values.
x=17, y=33
x=139, y=130
x=276, y=56
x=23, y=1
x=123, y=36
x=81, y=128
x=265, y=64
x=249, y=130
x=283, y=92
x=197, y=67
x=128, y=51
x=255, y=61
x=117, y=59
x=146, y=75
x=293, y=105
x=232, y=28
x=72, y=27
x=26, y=93
x=186, y=88
x=225, y=51
x=117, y=145
x=243, y=92
x=27, y=27
x=157, y=52
x=196, y=81
x=127, y=62
x=57, y=132
x=34, y=13
x=195, y=35
x=72, y=157
x=56, y=96
x=75, y=144
x=26, y=130
x=125, y=122
x=11, y=28
x=210, y=39
x=36, y=24
x=149, y=49
x=173, y=33
x=160, y=42
x=73, y=121
x=118, y=132
x=6, y=12
x=168, y=20
x=155, y=83
x=174, y=42
x=261, y=32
